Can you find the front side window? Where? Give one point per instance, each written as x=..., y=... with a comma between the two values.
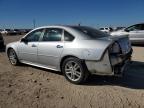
x=34, y=36
x=52, y=34
x=68, y=36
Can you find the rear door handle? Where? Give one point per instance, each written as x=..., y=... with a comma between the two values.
x=33, y=45
x=59, y=46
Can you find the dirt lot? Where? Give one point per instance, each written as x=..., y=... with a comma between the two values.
x=30, y=87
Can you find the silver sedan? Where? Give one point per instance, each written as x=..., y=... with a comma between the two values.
x=135, y=33
x=77, y=51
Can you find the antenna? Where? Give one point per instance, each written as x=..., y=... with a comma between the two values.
x=79, y=24
x=34, y=23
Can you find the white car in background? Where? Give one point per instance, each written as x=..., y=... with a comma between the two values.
x=8, y=32
x=4, y=31
x=106, y=29
x=135, y=33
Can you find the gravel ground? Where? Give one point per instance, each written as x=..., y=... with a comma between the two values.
x=30, y=87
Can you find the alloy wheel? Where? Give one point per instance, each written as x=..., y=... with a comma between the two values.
x=73, y=71
x=12, y=57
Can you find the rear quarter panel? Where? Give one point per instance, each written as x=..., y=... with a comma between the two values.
x=86, y=49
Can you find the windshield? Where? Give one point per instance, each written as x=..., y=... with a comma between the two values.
x=91, y=32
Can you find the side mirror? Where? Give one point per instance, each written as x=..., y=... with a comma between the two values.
x=24, y=40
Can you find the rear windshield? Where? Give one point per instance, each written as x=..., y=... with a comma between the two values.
x=91, y=32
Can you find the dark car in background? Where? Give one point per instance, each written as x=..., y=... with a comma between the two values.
x=11, y=32
x=21, y=31
x=18, y=31
x=27, y=30
x=1, y=41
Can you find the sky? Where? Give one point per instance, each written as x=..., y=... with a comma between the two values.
x=96, y=13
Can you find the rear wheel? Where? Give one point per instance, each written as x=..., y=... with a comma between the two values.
x=13, y=57
x=74, y=70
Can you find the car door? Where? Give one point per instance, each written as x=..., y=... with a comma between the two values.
x=28, y=50
x=140, y=33
x=51, y=47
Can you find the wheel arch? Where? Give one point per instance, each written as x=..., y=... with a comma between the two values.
x=7, y=50
x=64, y=58
x=84, y=68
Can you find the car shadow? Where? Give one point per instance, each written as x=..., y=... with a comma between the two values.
x=133, y=78
x=138, y=45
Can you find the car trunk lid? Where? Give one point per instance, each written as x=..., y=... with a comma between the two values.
x=123, y=41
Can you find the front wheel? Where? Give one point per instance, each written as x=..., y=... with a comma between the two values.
x=13, y=57
x=74, y=70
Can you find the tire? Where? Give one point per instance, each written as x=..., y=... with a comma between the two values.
x=75, y=70
x=13, y=57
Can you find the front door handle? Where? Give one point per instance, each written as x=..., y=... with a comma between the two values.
x=33, y=45
x=59, y=46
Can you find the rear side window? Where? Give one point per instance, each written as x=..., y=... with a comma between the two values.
x=68, y=36
x=52, y=34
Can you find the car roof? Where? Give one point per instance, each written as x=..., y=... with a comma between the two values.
x=61, y=26
x=68, y=28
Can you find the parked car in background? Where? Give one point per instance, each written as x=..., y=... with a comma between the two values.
x=4, y=31
x=27, y=30
x=21, y=31
x=135, y=33
x=1, y=41
x=8, y=32
x=106, y=29
x=14, y=31
x=18, y=31
x=118, y=28
x=77, y=51
x=0, y=30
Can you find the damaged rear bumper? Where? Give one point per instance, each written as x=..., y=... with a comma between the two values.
x=110, y=64
x=122, y=63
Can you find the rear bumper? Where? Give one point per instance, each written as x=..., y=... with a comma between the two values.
x=122, y=64
x=110, y=64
